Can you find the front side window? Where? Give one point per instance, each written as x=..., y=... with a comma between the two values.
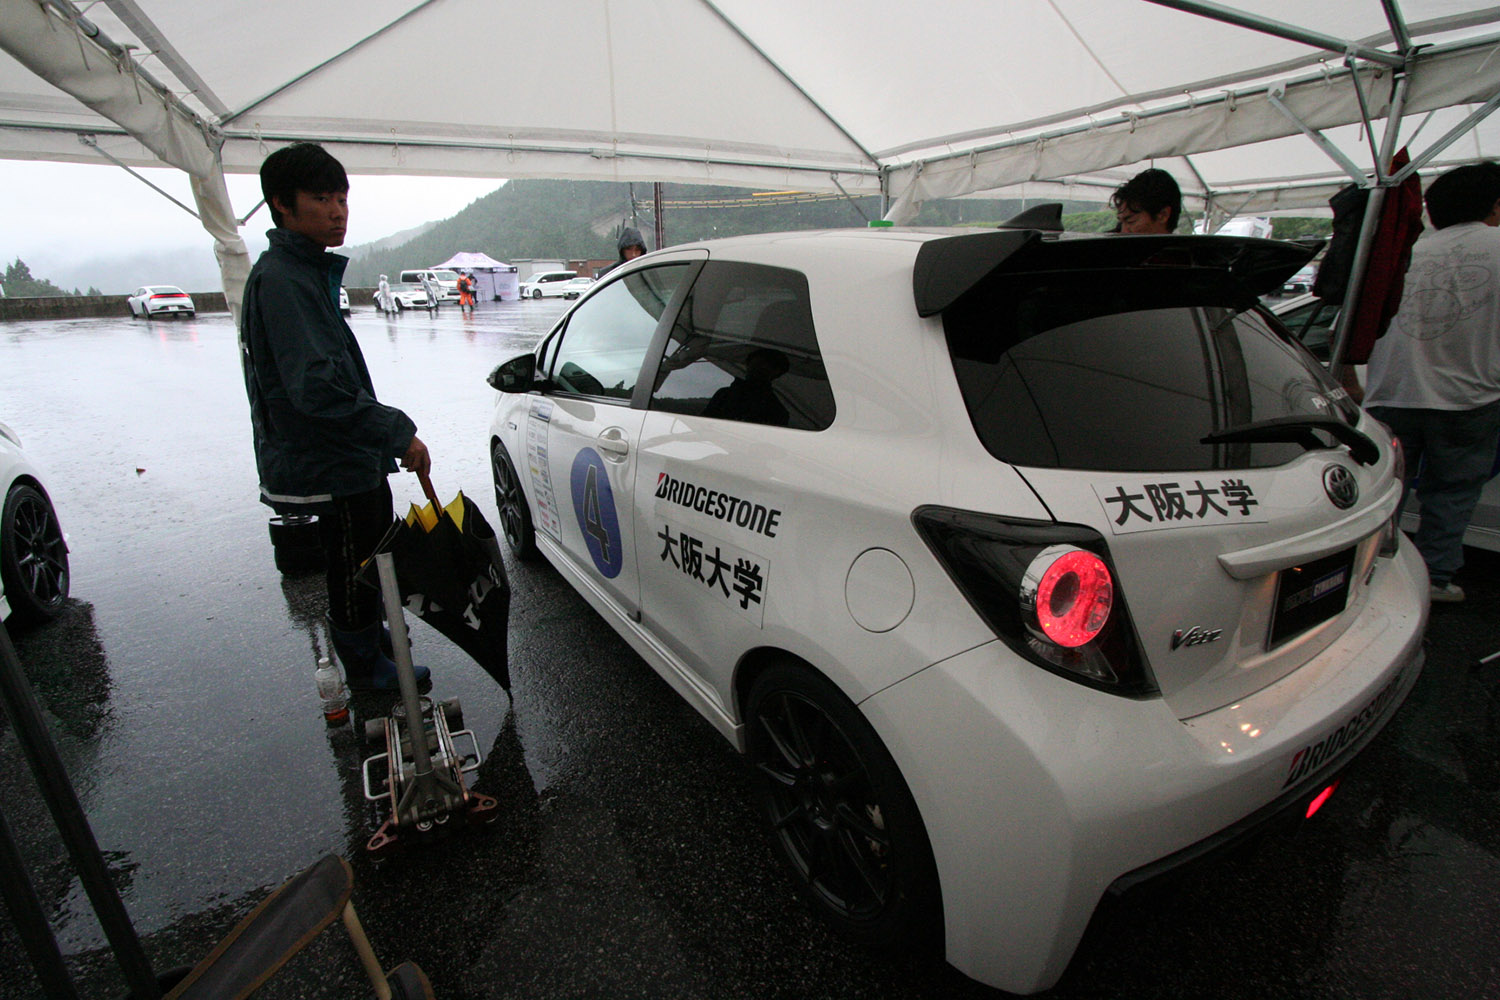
x=600, y=351
x=743, y=348
x=1128, y=371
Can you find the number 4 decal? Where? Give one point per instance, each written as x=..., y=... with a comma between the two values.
x=593, y=524
x=594, y=506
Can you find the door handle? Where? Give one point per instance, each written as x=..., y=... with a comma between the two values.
x=612, y=441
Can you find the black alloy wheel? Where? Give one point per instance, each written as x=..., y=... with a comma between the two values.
x=510, y=501
x=33, y=555
x=840, y=812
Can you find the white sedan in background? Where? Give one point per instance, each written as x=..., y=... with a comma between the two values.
x=1012, y=584
x=160, y=300
x=33, y=553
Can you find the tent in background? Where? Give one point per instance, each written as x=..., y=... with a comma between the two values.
x=494, y=280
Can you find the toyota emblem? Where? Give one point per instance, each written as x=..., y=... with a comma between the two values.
x=1340, y=486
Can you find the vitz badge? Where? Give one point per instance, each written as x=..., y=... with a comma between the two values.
x=1195, y=636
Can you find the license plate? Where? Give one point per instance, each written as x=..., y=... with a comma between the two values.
x=1309, y=594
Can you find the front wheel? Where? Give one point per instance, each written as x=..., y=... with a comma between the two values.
x=33, y=555
x=510, y=501
x=840, y=812
x=536, y=293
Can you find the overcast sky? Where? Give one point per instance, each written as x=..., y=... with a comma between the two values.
x=55, y=215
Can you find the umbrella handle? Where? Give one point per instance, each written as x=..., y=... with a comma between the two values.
x=427, y=489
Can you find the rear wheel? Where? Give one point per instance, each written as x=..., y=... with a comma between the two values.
x=840, y=812
x=510, y=501
x=33, y=555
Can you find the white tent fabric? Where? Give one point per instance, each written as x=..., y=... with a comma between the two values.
x=494, y=280
x=914, y=101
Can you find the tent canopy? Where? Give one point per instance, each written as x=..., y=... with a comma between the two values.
x=919, y=100
x=910, y=101
x=469, y=260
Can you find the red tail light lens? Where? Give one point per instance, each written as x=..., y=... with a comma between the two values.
x=1068, y=593
x=1046, y=589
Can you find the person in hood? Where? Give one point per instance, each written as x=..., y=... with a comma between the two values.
x=324, y=444
x=631, y=246
x=383, y=296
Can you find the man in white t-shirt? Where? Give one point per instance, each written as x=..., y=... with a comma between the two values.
x=1434, y=378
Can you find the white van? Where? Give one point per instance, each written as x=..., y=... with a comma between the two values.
x=548, y=284
x=447, y=280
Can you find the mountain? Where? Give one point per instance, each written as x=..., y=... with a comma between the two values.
x=581, y=219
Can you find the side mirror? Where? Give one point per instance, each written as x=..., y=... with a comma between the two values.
x=516, y=375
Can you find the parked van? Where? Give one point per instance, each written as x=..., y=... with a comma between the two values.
x=547, y=284
x=447, y=280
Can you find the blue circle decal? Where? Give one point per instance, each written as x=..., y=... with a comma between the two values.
x=594, y=503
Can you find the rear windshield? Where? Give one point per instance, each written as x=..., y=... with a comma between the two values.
x=1128, y=371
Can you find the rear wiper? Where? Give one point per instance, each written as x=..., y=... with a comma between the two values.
x=1299, y=430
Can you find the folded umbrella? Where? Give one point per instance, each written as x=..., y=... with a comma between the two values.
x=450, y=574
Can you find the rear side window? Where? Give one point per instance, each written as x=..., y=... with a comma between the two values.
x=744, y=348
x=1128, y=371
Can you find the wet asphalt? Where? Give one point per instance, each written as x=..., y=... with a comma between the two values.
x=627, y=859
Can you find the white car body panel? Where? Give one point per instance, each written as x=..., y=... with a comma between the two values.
x=1037, y=792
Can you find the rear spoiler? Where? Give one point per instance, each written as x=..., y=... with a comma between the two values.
x=948, y=268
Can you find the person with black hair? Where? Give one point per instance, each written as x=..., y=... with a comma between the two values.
x=1148, y=203
x=1434, y=377
x=631, y=245
x=324, y=444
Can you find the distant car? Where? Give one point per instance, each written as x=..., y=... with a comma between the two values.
x=344, y=301
x=1301, y=282
x=575, y=287
x=447, y=281
x=408, y=295
x=547, y=285
x=1022, y=567
x=160, y=300
x=33, y=553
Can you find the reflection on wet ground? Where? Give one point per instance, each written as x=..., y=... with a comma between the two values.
x=627, y=860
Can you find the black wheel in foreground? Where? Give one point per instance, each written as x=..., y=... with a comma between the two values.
x=510, y=501
x=33, y=555
x=840, y=812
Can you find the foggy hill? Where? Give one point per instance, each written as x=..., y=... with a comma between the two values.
x=580, y=220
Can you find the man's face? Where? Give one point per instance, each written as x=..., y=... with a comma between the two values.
x=322, y=218
x=1133, y=220
x=631, y=253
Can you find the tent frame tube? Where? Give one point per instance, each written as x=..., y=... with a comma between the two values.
x=1399, y=33
x=1383, y=180
x=130, y=14
x=89, y=141
x=1273, y=97
x=1454, y=134
x=1280, y=29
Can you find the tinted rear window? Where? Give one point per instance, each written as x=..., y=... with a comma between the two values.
x=1127, y=371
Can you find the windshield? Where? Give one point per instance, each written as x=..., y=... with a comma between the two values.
x=1129, y=370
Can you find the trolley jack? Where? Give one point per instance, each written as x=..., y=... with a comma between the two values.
x=424, y=780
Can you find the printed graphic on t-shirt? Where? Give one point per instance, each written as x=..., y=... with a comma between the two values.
x=1447, y=289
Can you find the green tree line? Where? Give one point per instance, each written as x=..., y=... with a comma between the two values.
x=19, y=283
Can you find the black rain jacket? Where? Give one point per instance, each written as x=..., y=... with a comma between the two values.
x=319, y=431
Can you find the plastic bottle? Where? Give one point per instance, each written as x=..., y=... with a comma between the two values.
x=331, y=689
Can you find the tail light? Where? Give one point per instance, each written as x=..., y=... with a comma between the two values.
x=1047, y=590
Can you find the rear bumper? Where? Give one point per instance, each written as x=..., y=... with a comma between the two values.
x=1040, y=794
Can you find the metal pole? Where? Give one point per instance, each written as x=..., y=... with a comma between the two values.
x=1370, y=225
x=1218, y=12
x=661, y=225
x=73, y=825
x=31, y=921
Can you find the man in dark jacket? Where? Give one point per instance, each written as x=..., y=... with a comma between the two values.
x=631, y=246
x=324, y=444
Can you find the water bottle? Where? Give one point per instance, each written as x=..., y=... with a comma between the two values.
x=332, y=691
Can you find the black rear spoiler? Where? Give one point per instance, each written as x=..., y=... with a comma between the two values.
x=947, y=268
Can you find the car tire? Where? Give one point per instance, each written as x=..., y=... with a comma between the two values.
x=191, y=315
x=536, y=293
x=33, y=555
x=510, y=502
x=840, y=814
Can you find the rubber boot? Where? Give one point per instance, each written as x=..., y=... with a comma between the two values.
x=366, y=667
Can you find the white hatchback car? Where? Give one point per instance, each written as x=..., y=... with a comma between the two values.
x=160, y=300
x=33, y=553
x=1021, y=566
